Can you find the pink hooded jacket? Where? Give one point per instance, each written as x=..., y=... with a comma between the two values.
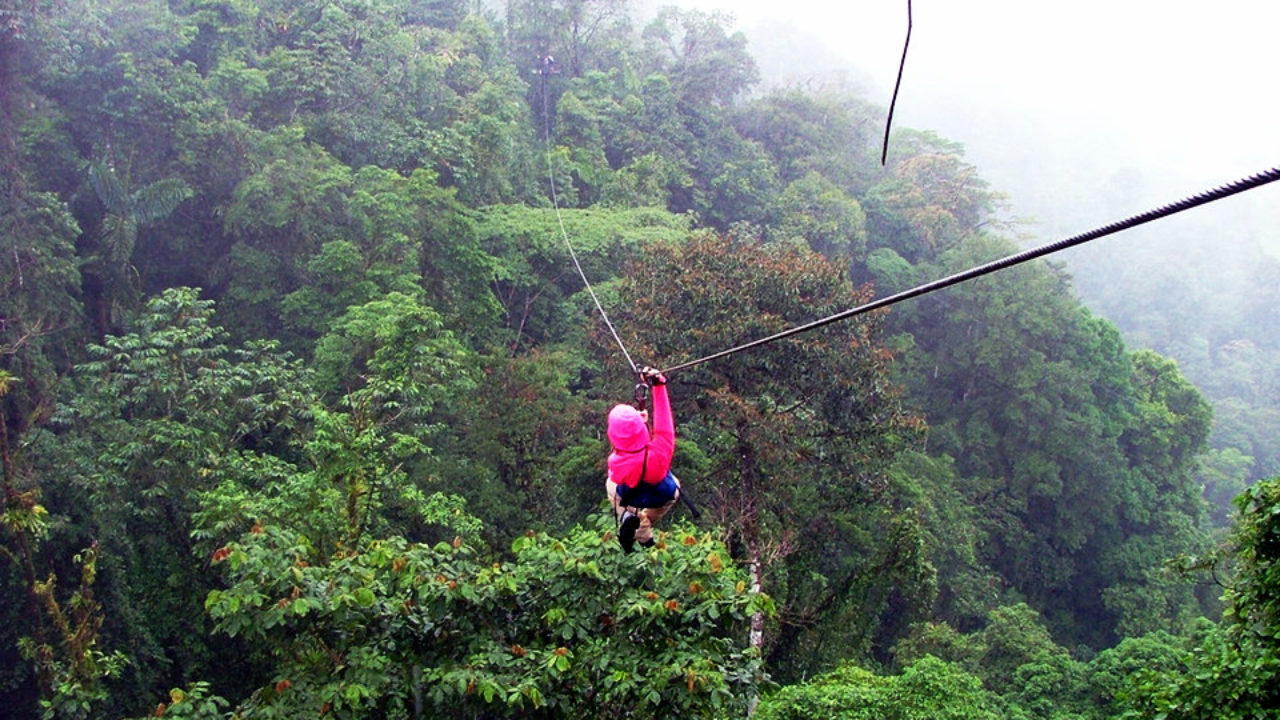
x=630, y=439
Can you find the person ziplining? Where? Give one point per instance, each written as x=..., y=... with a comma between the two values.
x=639, y=484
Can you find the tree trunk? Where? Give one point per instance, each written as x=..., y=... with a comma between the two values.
x=756, y=636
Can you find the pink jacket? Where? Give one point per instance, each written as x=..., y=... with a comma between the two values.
x=634, y=449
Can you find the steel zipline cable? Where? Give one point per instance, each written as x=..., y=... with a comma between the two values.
x=1203, y=198
x=555, y=202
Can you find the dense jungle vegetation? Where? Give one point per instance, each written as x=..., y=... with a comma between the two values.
x=304, y=402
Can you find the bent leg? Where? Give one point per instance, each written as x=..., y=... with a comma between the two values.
x=650, y=516
x=628, y=520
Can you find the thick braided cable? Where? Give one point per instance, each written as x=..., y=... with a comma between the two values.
x=1203, y=198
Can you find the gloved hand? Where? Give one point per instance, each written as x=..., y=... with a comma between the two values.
x=653, y=376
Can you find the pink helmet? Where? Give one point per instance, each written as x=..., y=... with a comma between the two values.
x=627, y=429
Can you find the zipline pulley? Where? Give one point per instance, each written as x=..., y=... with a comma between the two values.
x=640, y=398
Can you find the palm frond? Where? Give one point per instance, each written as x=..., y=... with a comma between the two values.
x=158, y=199
x=108, y=186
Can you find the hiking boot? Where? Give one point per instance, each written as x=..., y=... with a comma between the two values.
x=627, y=530
x=647, y=543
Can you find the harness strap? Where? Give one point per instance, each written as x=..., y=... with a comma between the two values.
x=623, y=489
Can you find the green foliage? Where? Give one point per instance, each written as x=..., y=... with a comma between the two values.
x=1256, y=605
x=928, y=688
x=76, y=671
x=349, y=484
x=394, y=353
x=1116, y=674
x=708, y=65
x=1014, y=637
x=509, y=447
x=582, y=35
x=384, y=624
x=930, y=201
x=890, y=272
x=817, y=211
x=1232, y=673
x=952, y=533
x=109, y=274
x=283, y=213
x=620, y=140
x=1228, y=351
x=1029, y=676
x=1223, y=474
x=39, y=322
x=533, y=276
x=1173, y=417
x=39, y=283
x=195, y=702
x=740, y=184
x=330, y=238
x=813, y=133
x=169, y=383
x=1051, y=420
x=1249, y=427
x=294, y=199
x=386, y=224
x=151, y=416
x=385, y=367
x=128, y=209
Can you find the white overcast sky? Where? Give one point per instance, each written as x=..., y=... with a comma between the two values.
x=1186, y=91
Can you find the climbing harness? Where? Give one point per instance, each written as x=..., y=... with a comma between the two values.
x=1204, y=198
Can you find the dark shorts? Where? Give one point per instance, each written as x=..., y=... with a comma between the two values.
x=645, y=495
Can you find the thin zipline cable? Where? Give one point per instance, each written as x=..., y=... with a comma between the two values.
x=555, y=202
x=1188, y=203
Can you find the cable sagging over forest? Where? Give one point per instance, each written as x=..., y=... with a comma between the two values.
x=1188, y=203
x=555, y=202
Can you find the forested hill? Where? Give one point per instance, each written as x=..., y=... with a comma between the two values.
x=304, y=400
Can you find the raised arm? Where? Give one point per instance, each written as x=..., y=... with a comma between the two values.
x=662, y=446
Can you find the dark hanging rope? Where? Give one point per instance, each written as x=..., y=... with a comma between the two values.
x=884, y=151
x=555, y=202
x=1203, y=198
